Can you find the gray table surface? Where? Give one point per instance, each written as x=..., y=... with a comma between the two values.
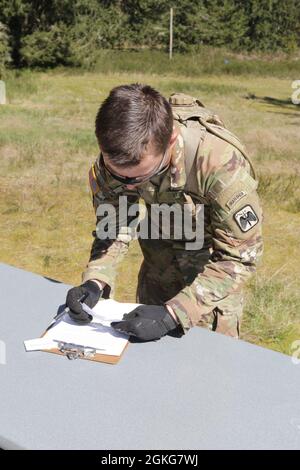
x=201, y=391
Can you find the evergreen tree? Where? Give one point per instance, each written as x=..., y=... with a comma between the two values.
x=5, y=57
x=273, y=24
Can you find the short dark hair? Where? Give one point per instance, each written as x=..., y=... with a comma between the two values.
x=132, y=117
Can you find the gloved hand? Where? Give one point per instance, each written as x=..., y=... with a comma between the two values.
x=92, y=291
x=146, y=322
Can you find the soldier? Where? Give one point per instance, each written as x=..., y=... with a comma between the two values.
x=175, y=152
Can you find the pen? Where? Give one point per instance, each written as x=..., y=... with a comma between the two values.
x=58, y=316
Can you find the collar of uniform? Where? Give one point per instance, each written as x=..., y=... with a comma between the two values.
x=111, y=182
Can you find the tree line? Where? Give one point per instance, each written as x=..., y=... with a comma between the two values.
x=47, y=33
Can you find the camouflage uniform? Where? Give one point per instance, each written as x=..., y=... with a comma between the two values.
x=204, y=286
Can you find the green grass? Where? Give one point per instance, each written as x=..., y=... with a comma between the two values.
x=47, y=145
x=271, y=316
x=207, y=60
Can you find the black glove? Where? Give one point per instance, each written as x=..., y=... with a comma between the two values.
x=146, y=322
x=89, y=293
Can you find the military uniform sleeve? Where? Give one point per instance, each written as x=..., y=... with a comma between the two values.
x=113, y=230
x=236, y=226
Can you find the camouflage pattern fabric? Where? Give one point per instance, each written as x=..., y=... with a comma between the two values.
x=204, y=286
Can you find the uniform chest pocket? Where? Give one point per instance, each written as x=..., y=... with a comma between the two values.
x=171, y=197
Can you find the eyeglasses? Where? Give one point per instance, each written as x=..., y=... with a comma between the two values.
x=139, y=179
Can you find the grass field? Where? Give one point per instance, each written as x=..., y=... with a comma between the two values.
x=47, y=145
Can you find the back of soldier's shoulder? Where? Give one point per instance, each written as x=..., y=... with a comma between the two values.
x=216, y=153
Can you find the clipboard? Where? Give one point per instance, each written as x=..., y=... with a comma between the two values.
x=87, y=345
x=73, y=351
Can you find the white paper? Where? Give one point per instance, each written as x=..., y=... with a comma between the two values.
x=38, y=344
x=97, y=334
x=108, y=311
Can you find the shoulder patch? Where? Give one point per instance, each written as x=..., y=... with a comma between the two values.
x=246, y=218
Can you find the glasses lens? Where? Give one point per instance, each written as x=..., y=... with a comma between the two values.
x=138, y=179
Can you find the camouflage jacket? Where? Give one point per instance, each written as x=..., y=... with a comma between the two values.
x=222, y=181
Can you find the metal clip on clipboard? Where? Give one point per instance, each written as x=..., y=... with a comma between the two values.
x=73, y=351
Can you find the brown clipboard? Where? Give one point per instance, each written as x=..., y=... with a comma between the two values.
x=96, y=357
